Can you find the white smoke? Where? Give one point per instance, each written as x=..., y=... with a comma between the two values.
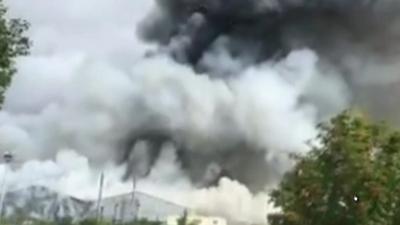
x=62, y=174
x=232, y=200
x=86, y=86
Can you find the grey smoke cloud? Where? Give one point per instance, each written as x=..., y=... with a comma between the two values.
x=358, y=39
x=216, y=90
x=111, y=103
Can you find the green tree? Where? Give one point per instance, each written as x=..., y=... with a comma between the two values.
x=13, y=43
x=350, y=177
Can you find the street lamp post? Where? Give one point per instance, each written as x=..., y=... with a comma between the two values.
x=7, y=157
x=100, y=196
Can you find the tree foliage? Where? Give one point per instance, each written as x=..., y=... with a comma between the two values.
x=13, y=43
x=351, y=176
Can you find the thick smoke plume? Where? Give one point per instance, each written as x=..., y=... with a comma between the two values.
x=257, y=30
x=212, y=98
x=357, y=38
x=356, y=46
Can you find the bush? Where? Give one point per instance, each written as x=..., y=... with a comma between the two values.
x=352, y=177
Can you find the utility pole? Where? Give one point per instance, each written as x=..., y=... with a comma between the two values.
x=114, y=217
x=8, y=157
x=100, y=196
x=122, y=211
x=137, y=206
x=134, y=201
x=101, y=213
x=133, y=188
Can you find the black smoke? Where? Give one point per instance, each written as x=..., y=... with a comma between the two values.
x=354, y=37
x=237, y=161
x=266, y=27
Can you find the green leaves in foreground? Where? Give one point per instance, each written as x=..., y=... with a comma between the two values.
x=13, y=43
x=352, y=176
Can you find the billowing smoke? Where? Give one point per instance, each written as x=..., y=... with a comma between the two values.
x=236, y=42
x=257, y=30
x=211, y=99
x=357, y=38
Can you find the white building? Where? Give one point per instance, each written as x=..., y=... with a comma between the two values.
x=126, y=208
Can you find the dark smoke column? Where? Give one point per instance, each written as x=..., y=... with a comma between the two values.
x=200, y=38
x=254, y=32
x=189, y=28
x=263, y=28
